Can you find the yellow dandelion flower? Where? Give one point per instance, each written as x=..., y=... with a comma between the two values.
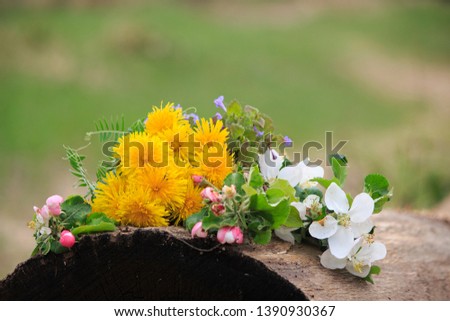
x=215, y=169
x=191, y=205
x=178, y=139
x=137, y=149
x=166, y=184
x=108, y=195
x=207, y=132
x=137, y=209
x=163, y=118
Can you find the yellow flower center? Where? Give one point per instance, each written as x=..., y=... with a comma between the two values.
x=344, y=220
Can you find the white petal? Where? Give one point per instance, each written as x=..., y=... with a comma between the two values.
x=292, y=174
x=341, y=243
x=229, y=237
x=362, y=274
x=310, y=172
x=335, y=199
x=362, y=208
x=360, y=229
x=301, y=208
x=39, y=218
x=269, y=164
x=324, y=231
x=310, y=200
x=285, y=234
x=378, y=251
x=45, y=230
x=330, y=262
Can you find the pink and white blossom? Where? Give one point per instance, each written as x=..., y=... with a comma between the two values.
x=210, y=194
x=230, y=234
x=54, y=204
x=198, y=231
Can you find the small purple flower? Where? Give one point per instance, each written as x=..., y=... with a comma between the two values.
x=258, y=132
x=218, y=116
x=194, y=117
x=178, y=107
x=219, y=103
x=145, y=121
x=287, y=141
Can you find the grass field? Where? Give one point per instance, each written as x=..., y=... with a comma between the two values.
x=376, y=76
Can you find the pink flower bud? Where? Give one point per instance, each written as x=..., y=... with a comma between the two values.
x=197, y=179
x=42, y=212
x=198, y=231
x=218, y=209
x=67, y=239
x=54, y=204
x=229, y=191
x=230, y=235
x=209, y=194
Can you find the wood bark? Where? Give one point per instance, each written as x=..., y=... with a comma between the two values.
x=166, y=264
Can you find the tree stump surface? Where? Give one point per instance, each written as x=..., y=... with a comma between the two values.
x=166, y=264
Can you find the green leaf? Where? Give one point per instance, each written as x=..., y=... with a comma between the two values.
x=249, y=191
x=285, y=187
x=375, y=270
x=314, y=191
x=263, y=237
x=257, y=223
x=251, y=111
x=236, y=130
x=78, y=170
x=293, y=220
x=195, y=218
x=380, y=203
x=57, y=248
x=349, y=199
x=369, y=279
x=274, y=207
x=339, y=170
x=377, y=186
x=236, y=179
x=45, y=247
x=211, y=221
x=95, y=223
x=255, y=178
x=234, y=109
x=74, y=212
x=97, y=218
x=325, y=182
x=94, y=228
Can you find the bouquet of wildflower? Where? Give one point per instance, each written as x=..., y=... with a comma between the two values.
x=220, y=176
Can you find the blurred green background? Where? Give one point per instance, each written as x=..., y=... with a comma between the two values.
x=376, y=73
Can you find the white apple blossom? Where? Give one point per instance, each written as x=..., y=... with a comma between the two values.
x=285, y=233
x=346, y=223
x=311, y=202
x=359, y=261
x=270, y=164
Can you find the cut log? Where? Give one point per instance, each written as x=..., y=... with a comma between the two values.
x=166, y=264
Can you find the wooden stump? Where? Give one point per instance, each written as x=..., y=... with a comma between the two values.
x=166, y=264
